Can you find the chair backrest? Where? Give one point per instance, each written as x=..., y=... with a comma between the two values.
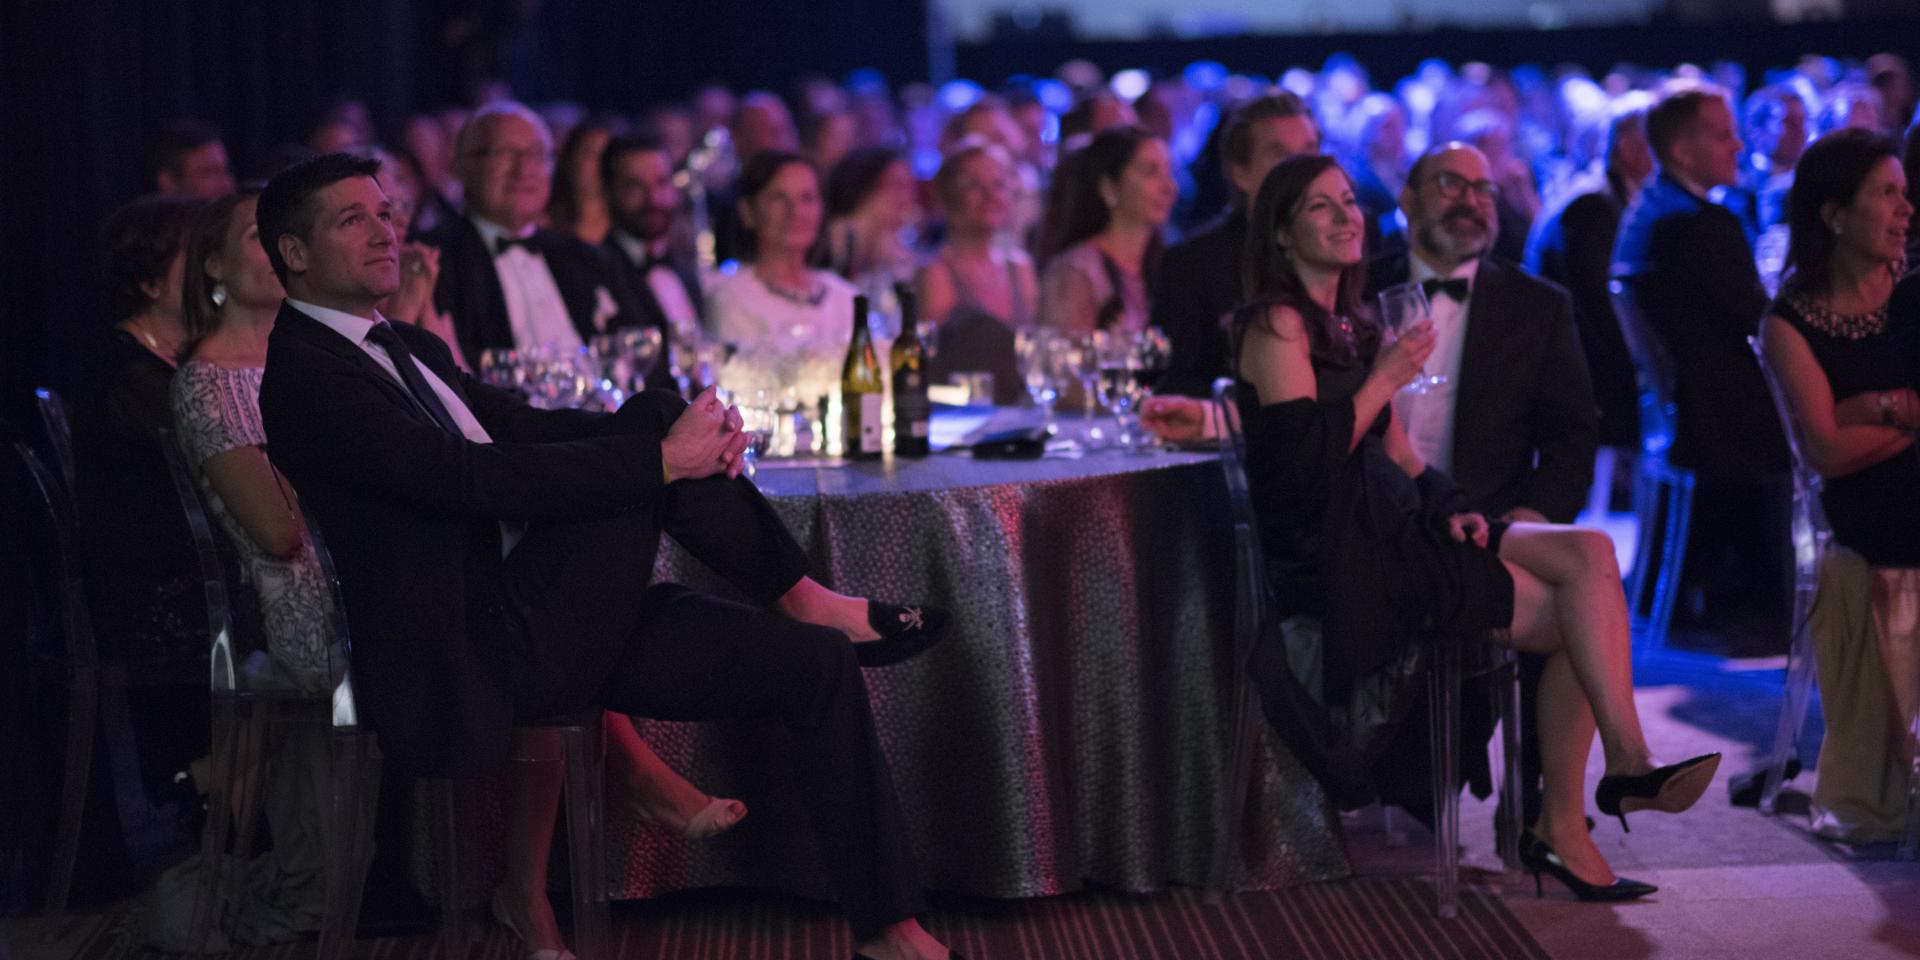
x=1652, y=364
x=223, y=674
x=51, y=504
x=344, y=714
x=59, y=428
x=1251, y=583
x=1810, y=531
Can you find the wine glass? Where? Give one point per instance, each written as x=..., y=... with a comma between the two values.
x=1404, y=308
x=1088, y=351
x=1154, y=351
x=1034, y=349
x=1120, y=384
x=501, y=368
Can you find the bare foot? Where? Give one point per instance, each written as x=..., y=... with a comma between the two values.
x=529, y=916
x=906, y=940
x=1576, y=849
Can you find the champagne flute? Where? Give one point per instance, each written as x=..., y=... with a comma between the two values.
x=1404, y=308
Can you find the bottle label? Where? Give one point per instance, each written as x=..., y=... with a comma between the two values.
x=872, y=439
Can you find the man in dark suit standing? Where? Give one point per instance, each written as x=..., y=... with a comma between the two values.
x=1573, y=247
x=636, y=175
x=1515, y=424
x=1200, y=277
x=495, y=558
x=1687, y=264
x=507, y=283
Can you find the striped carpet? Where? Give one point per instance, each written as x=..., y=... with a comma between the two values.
x=1359, y=919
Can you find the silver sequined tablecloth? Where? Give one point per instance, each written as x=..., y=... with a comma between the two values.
x=1070, y=728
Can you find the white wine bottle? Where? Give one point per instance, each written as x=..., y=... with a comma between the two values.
x=863, y=390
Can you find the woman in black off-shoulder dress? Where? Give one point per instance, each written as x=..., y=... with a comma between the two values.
x=1378, y=547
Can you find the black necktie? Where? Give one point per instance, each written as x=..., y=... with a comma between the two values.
x=505, y=243
x=423, y=394
x=1456, y=287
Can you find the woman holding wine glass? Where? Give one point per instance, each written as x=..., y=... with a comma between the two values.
x=1365, y=537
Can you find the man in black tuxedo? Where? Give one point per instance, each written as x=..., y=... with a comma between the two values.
x=1515, y=424
x=636, y=176
x=507, y=283
x=1686, y=263
x=495, y=558
x=1572, y=246
x=1200, y=277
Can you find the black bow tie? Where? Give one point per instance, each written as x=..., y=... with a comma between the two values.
x=652, y=260
x=503, y=244
x=1456, y=287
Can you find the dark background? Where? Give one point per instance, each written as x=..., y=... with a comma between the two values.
x=84, y=86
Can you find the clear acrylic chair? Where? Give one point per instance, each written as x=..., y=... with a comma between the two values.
x=1812, y=538
x=1662, y=492
x=355, y=787
x=49, y=508
x=1449, y=667
x=59, y=430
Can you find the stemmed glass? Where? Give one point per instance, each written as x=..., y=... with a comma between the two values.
x=1088, y=351
x=1154, y=351
x=1120, y=384
x=501, y=368
x=1035, y=351
x=1404, y=308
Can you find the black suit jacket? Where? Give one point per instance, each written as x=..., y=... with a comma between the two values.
x=1524, y=423
x=469, y=286
x=1691, y=271
x=1199, y=288
x=629, y=275
x=1573, y=247
x=411, y=514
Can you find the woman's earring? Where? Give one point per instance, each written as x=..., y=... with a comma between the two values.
x=219, y=295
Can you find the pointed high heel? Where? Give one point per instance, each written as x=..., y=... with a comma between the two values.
x=1669, y=789
x=904, y=632
x=503, y=918
x=1537, y=857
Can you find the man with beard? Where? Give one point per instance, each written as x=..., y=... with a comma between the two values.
x=1515, y=423
x=636, y=174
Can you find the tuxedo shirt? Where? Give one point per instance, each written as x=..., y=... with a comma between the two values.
x=535, y=309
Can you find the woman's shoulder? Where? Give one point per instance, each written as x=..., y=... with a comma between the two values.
x=835, y=284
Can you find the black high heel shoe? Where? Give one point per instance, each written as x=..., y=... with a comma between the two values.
x=905, y=632
x=1537, y=857
x=1669, y=789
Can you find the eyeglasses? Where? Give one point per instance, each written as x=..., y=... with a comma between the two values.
x=534, y=156
x=1452, y=185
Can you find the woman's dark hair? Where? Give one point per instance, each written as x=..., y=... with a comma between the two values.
x=759, y=173
x=1831, y=171
x=143, y=237
x=1268, y=278
x=560, y=202
x=856, y=176
x=199, y=315
x=1075, y=210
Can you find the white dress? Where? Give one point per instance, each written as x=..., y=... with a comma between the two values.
x=780, y=342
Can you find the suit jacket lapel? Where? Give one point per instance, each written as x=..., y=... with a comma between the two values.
x=484, y=299
x=297, y=324
x=1479, y=358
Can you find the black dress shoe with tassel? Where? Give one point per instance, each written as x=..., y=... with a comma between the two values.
x=905, y=632
x=1670, y=789
x=1537, y=858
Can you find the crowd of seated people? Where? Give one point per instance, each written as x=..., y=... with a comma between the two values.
x=1057, y=203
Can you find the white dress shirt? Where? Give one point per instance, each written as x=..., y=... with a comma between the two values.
x=355, y=329
x=1429, y=417
x=665, y=285
x=535, y=310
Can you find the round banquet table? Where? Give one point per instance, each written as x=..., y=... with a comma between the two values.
x=1070, y=729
